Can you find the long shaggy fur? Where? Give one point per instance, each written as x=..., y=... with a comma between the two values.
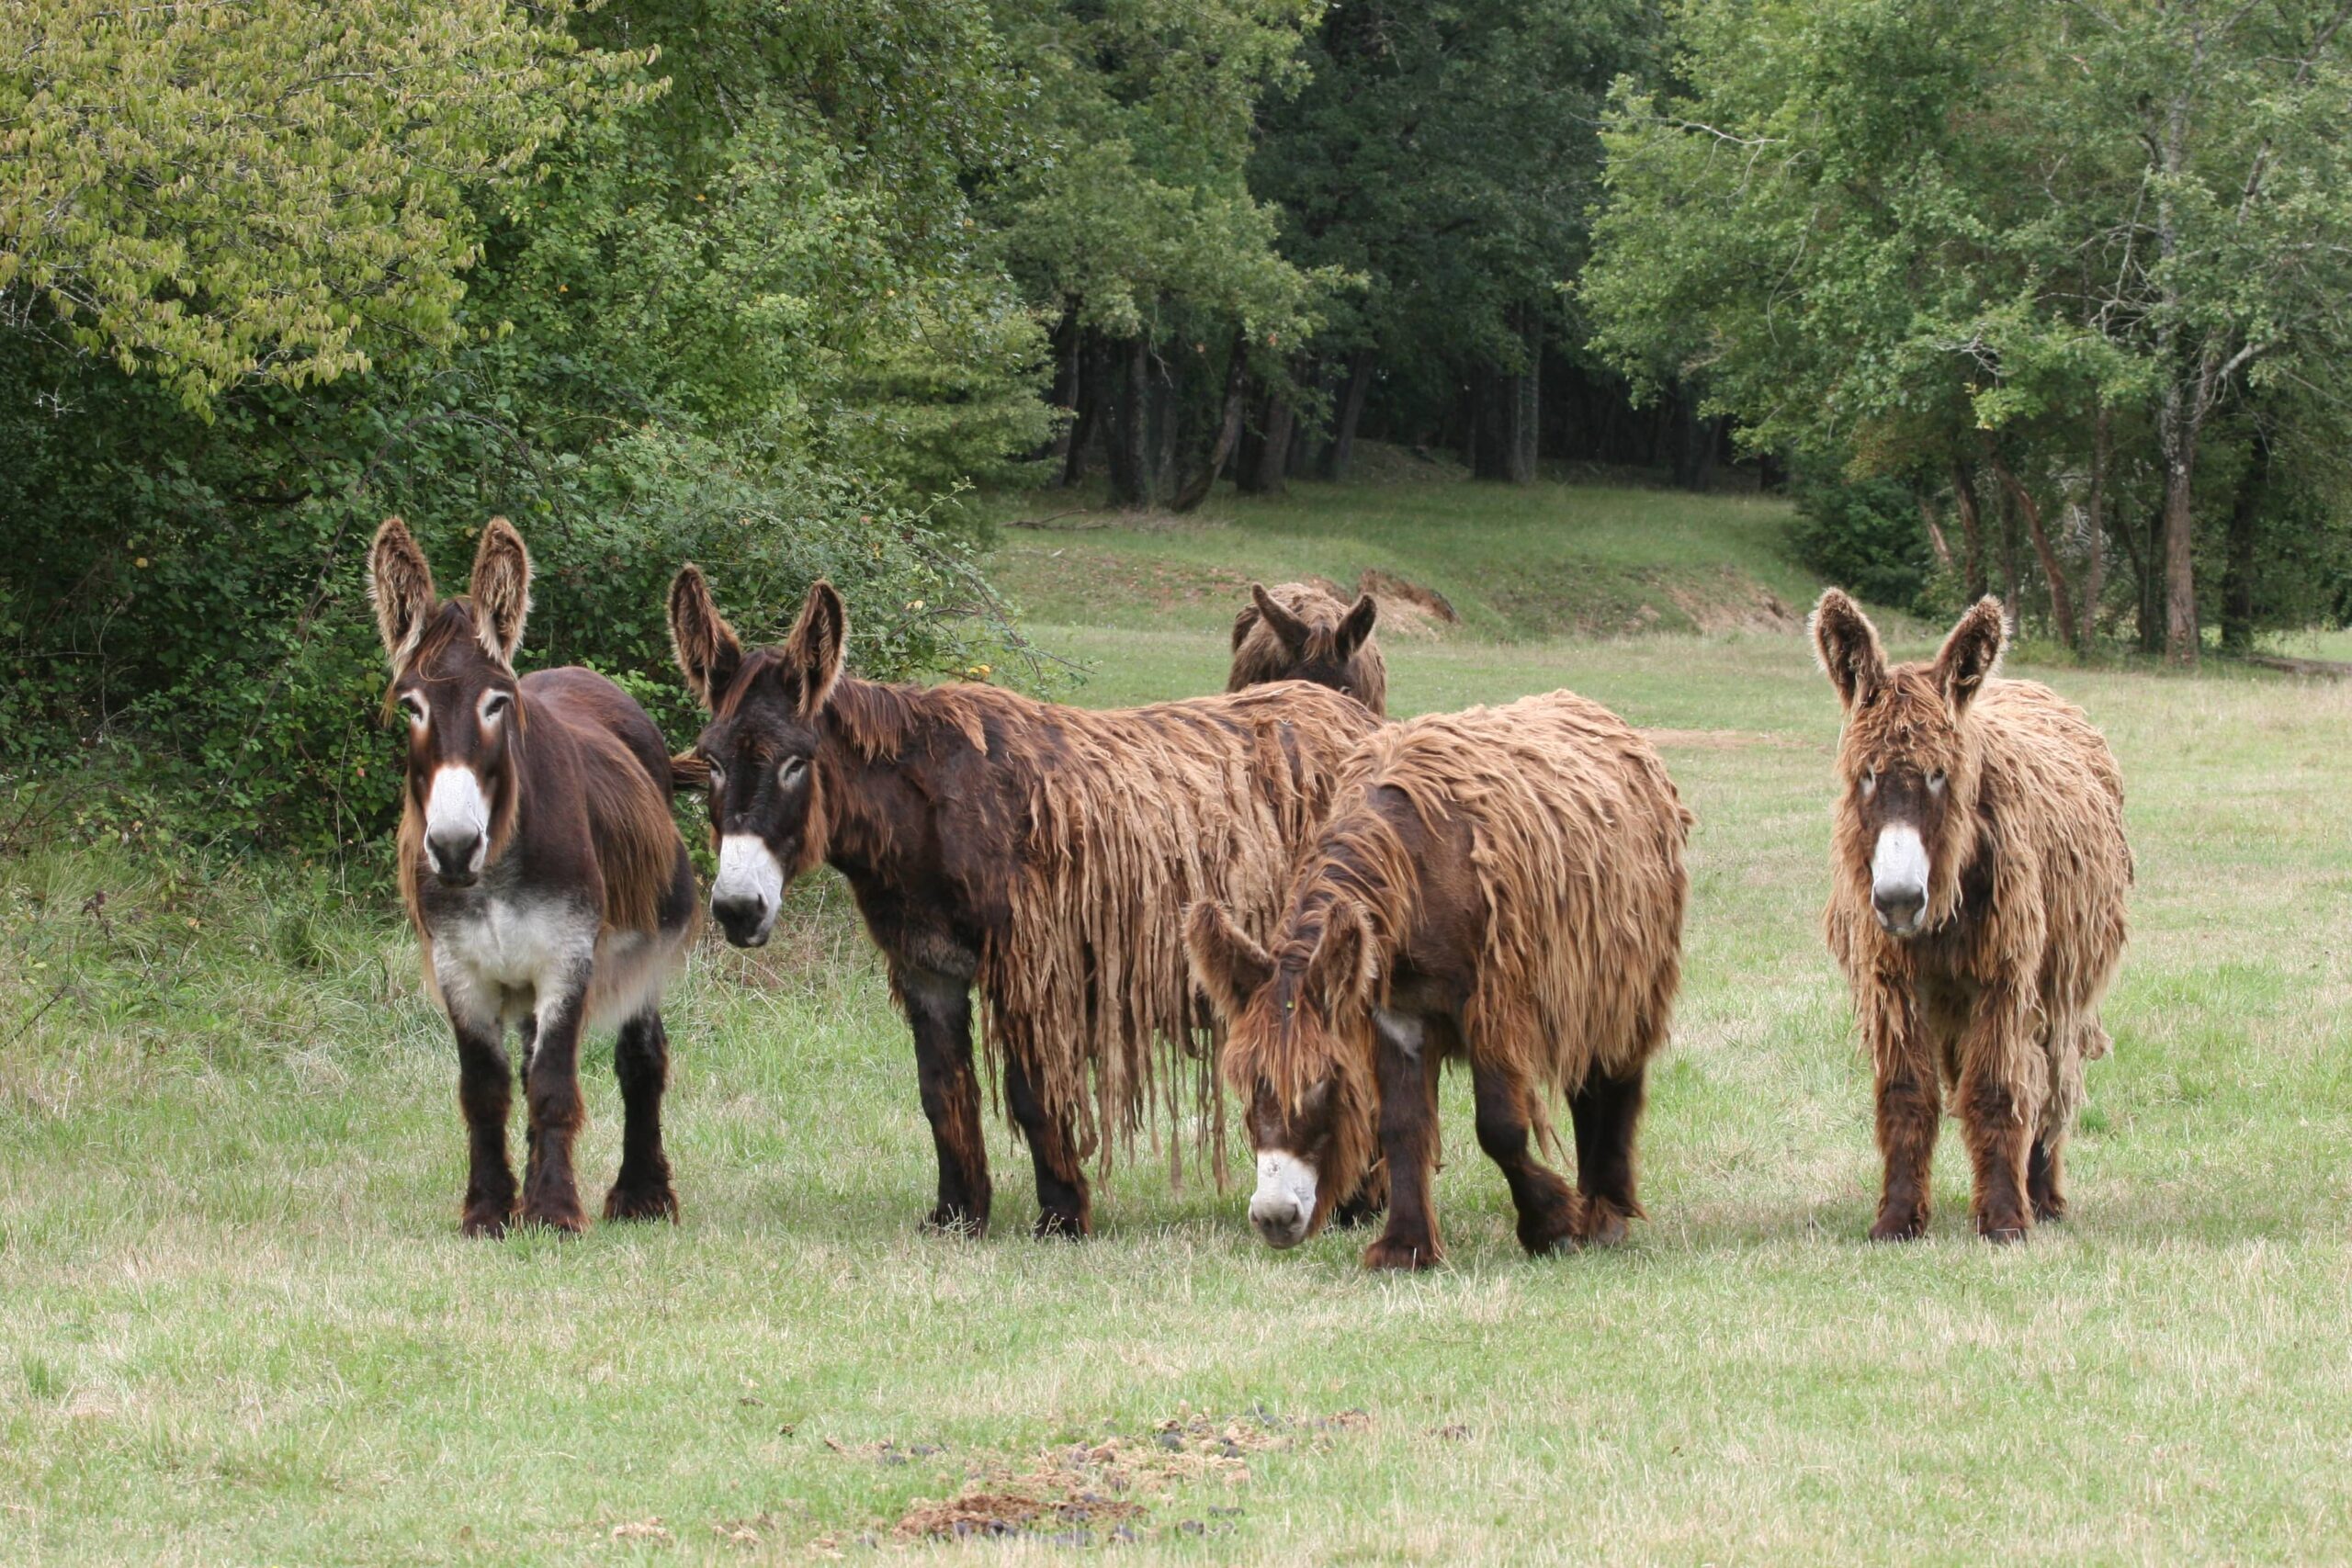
x=1297, y=631
x=2029, y=870
x=1097, y=830
x=1576, y=838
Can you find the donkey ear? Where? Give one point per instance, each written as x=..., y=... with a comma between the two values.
x=500, y=590
x=1972, y=653
x=710, y=653
x=1229, y=966
x=1848, y=647
x=400, y=587
x=1286, y=625
x=1355, y=626
x=1339, y=969
x=1243, y=619
x=813, y=651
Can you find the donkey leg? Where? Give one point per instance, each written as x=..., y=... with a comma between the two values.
x=939, y=1011
x=1407, y=1075
x=1370, y=1201
x=2046, y=1178
x=485, y=1092
x=1607, y=1112
x=551, y=1193
x=1551, y=1213
x=1065, y=1206
x=2000, y=1108
x=641, y=1063
x=1910, y=1110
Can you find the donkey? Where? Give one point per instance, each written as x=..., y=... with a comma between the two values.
x=1298, y=632
x=548, y=883
x=1977, y=877
x=1041, y=853
x=1506, y=886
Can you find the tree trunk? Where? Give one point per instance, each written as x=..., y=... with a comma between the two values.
x=1088, y=373
x=1936, y=540
x=1273, y=452
x=1064, y=395
x=2151, y=598
x=2179, y=562
x=2095, y=513
x=1529, y=413
x=1228, y=429
x=2062, y=596
x=1342, y=450
x=1972, y=526
x=2237, y=572
x=1130, y=450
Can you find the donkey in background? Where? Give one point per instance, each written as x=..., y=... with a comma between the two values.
x=1296, y=631
x=546, y=879
x=1978, y=871
x=1039, y=852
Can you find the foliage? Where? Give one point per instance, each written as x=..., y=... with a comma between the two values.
x=1863, y=535
x=268, y=188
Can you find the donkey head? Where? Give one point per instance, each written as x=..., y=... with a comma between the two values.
x=453, y=677
x=1308, y=646
x=761, y=746
x=1298, y=1043
x=1908, y=761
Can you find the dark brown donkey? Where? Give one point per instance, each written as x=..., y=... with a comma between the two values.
x=547, y=881
x=1040, y=851
x=1296, y=631
x=1978, y=871
x=1505, y=885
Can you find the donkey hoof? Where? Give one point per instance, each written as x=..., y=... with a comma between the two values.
x=2050, y=1211
x=1357, y=1212
x=1605, y=1225
x=484, y=1221
x=1063, y=1225
x=2003, y=1235
x=562, y=1217
x=1391, y=1252
x=641, y=1203
x=1899, y=1227
x=949, y=1219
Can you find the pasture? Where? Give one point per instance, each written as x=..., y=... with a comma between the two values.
x=237, y=1322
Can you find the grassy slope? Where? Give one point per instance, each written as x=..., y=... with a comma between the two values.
x=235, y=1323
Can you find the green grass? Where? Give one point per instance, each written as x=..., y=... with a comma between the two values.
x=236, y=1324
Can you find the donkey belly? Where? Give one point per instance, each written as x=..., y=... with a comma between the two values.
x=503, y=959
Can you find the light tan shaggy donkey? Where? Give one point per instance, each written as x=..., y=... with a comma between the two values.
x=1503, y=885
x=1978, y=871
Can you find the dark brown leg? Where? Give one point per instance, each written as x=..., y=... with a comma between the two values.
x=1995, y=1113
x=641, y=1063
x=1910, y=1110
x=1407, y=1073
x=1371, y=1200
x=1064, y=1206
x=1551, y=1213
x=551, y=1093
x=1608, y=1112
x=939, y=1011
x=485, y=1092
x=2045, y=1178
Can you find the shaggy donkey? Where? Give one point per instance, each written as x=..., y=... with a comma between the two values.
x=546, y=879
x=1041, y=852
x=1504, y=884
x=1298, y=632
x=1978, y=871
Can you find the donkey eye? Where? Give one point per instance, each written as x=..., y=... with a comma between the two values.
x=1936, y=781
x=1870, y=781
x=718, y=778
x=413, y=706
x=789, y=773
x=495, y=703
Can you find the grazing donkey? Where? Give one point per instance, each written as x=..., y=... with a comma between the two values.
x=1978, y=871
x=1298, y=632
x=1042, y=852
x=545, y=878
x=1504, y=884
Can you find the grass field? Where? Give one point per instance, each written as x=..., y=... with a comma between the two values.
x=237, y=1325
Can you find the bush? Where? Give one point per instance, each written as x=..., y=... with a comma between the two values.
x=1865, y=536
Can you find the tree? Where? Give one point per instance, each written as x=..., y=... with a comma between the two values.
x=267, y=189
x=1924, y=235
